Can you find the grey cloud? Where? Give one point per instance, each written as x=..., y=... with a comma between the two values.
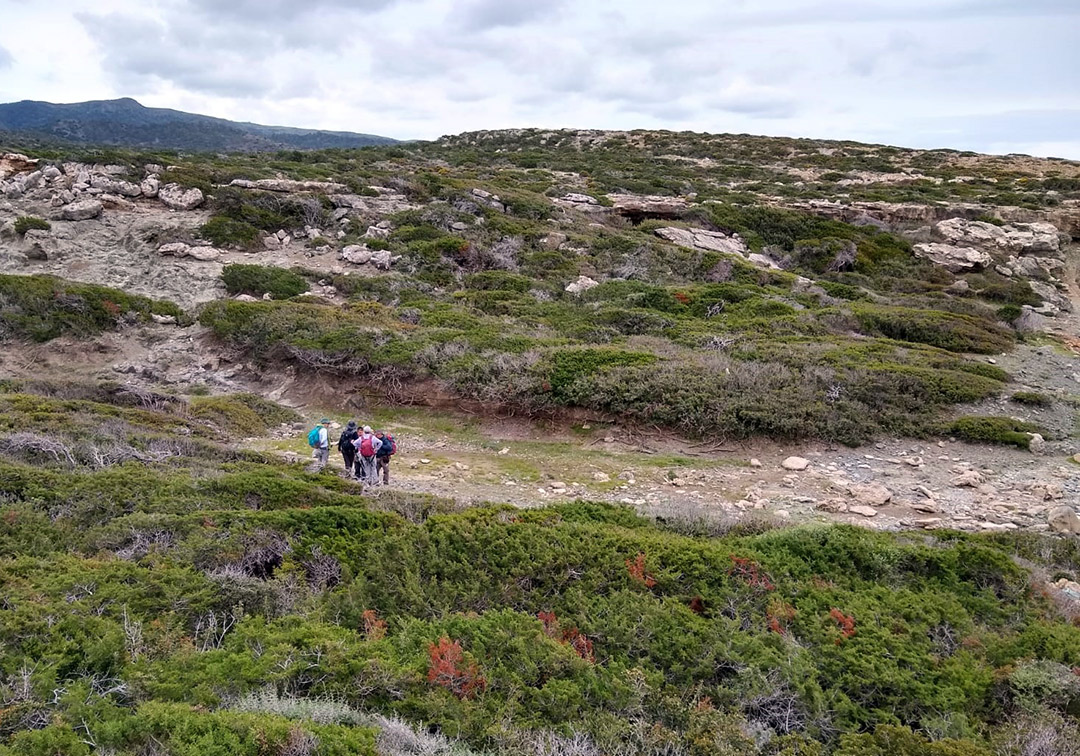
x=136, y=52
x=481, y=15
x=6, y=59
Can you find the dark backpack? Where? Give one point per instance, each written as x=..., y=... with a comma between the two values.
x=346, y=440
x=389, y=446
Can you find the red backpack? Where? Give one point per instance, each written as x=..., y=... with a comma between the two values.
x=367, y=449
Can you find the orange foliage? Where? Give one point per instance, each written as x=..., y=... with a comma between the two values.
x=446, y=668
x=846, y=623
x=637, y=572
x=374, y=628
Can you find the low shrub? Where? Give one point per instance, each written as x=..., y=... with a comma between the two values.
x=40, y=308
x=994, y=430
x=26, y=223
x=257, y=280
x=1032, y=398
x=222, y=231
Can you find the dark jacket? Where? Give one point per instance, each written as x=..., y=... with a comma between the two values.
x=347, y=437
x=387, y=447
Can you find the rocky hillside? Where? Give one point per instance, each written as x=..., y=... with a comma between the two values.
x=126, y=123
x=685, y=365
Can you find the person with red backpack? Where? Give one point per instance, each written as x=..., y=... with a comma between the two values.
x=367, y=446
x=387, y=449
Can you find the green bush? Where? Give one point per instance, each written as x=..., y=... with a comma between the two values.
x=994, y=430
x=257, y=280
x=26, y=223
x=41, y=308
x=222, y=231
x=946, y=330
x=1032, y=398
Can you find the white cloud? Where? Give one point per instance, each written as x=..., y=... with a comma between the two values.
x=913, y=72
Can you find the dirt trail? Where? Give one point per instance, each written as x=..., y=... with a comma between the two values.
x=896, y=483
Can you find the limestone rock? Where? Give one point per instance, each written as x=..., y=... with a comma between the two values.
x=357, y=254
x=699, y=238
x=128, y=189
x=1025, y=238
x=271, y=242
x=637, y=206
x=149, y=186
x=1064, y=519
x=13, y=162
x=862, y=509
x=84, y=210
x=968, y=479
x=953, y=258
x=871, y=494
x=1037, y=444
x=290, y=186
x=50, y=173
x=175, y=197
x=378, y=231
x=204, y=253
x=175, y=249
x=163, y=319
x=583, y=283
x=382, y=259
x=798, y=464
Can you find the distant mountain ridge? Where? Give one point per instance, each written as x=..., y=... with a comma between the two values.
x=127, y=123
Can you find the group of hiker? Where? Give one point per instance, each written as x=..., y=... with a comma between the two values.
x=366, y=453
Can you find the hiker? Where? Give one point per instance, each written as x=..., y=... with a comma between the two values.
x=319, y=441
x=367, y=447
x=387, y=447
x=345, y=446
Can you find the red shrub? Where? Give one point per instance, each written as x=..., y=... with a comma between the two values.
x=374, y=628
x=780, y=615
x=683, y=298
x=846, y=623
x=750, y=571
x=111, y=307
x=637, y=572
x=550, y=623
x=446, y=667
x=580, y=643
x=697, y=605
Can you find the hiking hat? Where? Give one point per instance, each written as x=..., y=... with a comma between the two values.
x=324, y=421
x=351, y=426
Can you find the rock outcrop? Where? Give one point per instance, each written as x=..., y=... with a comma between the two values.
x=954, y=258
x=175, y=197
x=84, y=210
x=290, y=186
x=699, y=238
x=1021, y=238
x=582, y=284
x=639, y=207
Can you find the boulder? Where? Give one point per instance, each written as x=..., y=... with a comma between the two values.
x=640, y=207
x=115, y=202
x=377, y=232
x=582, y=199
x=13, y=162
x=51, y=172
x=1054, y=301
x=699, y=238
x=1064, y=519
x=863, y=509
x=357, y=254
x=175, y=197
x=382, y=259
x=871, y=494
x=798, y=464
x=1024, y=238
x=84, y=210
x=205, y=254
x=175, y=249
x=149, y=186
x=953, y=258
x=968, y=479
x=128, y=189
x=163, y=319
x=1037, y=444
x=271, y=242
x=583, y=283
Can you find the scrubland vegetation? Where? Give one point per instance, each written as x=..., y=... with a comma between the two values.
x=165, y=590
x=168, y=592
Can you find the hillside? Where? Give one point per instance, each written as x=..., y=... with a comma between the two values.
x=126, y=123
x=708, y=444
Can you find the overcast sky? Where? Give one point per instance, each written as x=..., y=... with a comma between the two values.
x=989, y=75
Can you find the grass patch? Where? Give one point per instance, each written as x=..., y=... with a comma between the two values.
x=257, y=280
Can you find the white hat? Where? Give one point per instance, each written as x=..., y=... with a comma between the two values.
x=367, y=429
